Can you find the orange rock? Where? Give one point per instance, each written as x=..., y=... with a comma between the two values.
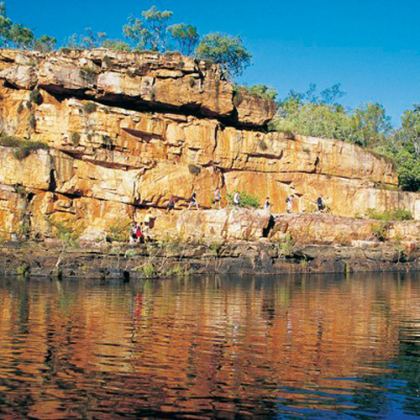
x=133, y=129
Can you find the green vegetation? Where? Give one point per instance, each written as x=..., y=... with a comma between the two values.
x=227, y=51
x=118, y=231
x=261, y=91
x=186, y=37
x=148, y=270
x=245, y=200
x=75, y=138
x=35, y=97
x=403, y=146
x=116, y=45
x=310, y=113
x=380, y=231
x=150, y=31
x=88, y=74
x=15, y=35
x=45, y=43
x=64, y=232
x=392, y=215
x=24, y=229
x=107, y=142
x=23, y=269
x=90, y=107
x=215, y=247
x=22, y=148
x=321, y=115
x=86, y=40
x=176, y=270
x=286, y=245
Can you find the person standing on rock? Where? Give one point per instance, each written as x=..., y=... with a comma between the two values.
x=193, y=201
x=171, y=204
x=289, y=204
x=236, y=199
x=133, y=230
x=320, y=204
x=217, y=198
x=139, y=233
x=267, y=203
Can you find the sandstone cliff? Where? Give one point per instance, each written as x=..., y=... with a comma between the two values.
x=125, y=131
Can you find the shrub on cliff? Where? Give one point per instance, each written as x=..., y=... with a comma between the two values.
x=391, y=215
x=245, y=200
x=118, y=231
x=260, y=91
x=22, y=148
x=116, y=45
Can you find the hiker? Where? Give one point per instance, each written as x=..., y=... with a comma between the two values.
x=139, y=233
x=146, y=229
x=289, y=203
x=236, y=199
x=267, y=203
x=217, y=197
x=171, y=204
x=133, y=230
x=193, y=201
x=148, y=223
x=320, y=204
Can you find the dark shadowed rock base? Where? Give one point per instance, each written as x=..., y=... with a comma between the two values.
x=174, y=259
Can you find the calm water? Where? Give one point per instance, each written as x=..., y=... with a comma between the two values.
x=313, y=346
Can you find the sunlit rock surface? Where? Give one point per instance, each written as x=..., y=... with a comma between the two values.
x=126, y=131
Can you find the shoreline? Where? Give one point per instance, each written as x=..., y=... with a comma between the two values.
x=166, y=260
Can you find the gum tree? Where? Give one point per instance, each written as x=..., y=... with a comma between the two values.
x=186, y=37
x=149, y=32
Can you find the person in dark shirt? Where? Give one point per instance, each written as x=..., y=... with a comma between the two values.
x=320, y=204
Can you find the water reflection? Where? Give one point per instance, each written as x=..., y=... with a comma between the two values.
x=314, y=345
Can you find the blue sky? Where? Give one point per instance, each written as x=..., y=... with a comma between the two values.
x=371, y=47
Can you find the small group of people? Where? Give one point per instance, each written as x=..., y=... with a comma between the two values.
x=193, y=201
x=140, y=232
x=136, y=233
x=320, y=204
x=236, y=200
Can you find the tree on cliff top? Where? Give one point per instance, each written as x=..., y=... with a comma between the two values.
x=227, y=51
x=186, y=37
x=404, y=148
x=15, y=35
x=150, y=31
x=5, y=25
x=321, y=115
x=87, y=40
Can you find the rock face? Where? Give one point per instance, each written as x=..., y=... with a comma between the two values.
x=135, y=80
x=126, y=131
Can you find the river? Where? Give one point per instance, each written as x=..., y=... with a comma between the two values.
x=274, y=347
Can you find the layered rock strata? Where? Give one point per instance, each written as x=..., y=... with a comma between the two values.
x=126, y=131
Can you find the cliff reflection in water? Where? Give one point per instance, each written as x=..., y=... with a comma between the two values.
x=211, y=347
